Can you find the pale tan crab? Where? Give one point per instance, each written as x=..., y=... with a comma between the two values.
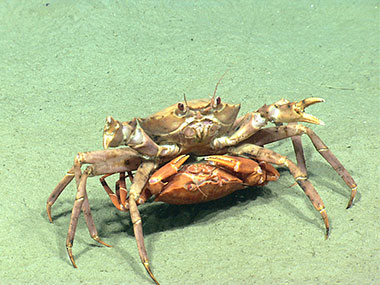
x=201, y=127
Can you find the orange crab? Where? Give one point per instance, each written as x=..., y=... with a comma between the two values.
x=178, y=183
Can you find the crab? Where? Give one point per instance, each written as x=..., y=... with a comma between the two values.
x=179, y=183
x=203, y=127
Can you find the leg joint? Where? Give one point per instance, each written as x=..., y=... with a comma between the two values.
x=324, y=148
x=136, y=222
x=79, y=198
x=301, y=178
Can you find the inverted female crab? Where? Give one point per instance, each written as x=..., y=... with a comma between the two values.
x=201, y=127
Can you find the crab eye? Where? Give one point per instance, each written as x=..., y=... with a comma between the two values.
x=217, y=102
x=181, y=109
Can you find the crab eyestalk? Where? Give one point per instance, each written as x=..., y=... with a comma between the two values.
x=284, y=111
x=116, y=133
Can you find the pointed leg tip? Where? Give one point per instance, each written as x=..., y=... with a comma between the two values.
x=327, y=234
x=73, y=262
x=50, y=218
x=48, y=210
x=71, y=256
x=96, y=238
x=350, y=203
x=104, y=243
x=354, y=190
x=147, y=267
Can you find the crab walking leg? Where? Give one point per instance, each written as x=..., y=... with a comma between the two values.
x=139, y=182
x=335, y=163
x=298, y=149
x=121, y=191
x=300, y=156
x=90, y=222
x=79, y=199
x=130, y=157
x=119, y=198
x=58, y=190
x=270, y=156
x=265, y=136
x=144, y=195
x=108, y=162
x=111, y=194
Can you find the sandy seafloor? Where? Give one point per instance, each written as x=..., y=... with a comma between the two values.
x=65, y=66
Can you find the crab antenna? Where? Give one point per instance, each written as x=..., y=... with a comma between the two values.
x=217, y=84
x=184, y=98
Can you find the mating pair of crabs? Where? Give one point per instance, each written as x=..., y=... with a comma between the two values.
x=157, y=147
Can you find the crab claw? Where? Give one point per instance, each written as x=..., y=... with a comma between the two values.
x=112, y=133
x=116, y=133
x=156, y=180
x=252, y=172
x=237, y=164
x=284, y=111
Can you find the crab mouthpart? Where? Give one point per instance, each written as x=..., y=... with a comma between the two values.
x=201, y=131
